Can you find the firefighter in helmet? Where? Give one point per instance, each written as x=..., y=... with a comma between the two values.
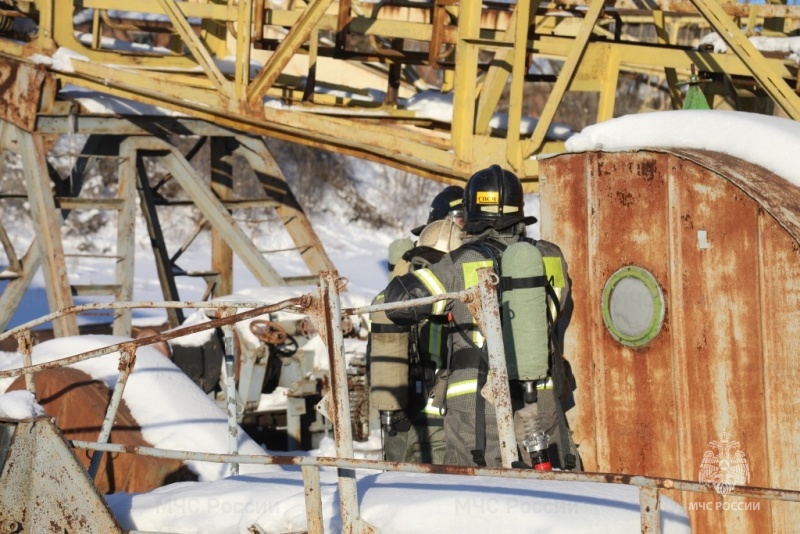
x=494, y=221
x=404, y=360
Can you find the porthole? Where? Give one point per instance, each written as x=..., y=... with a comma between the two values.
x=633, y=306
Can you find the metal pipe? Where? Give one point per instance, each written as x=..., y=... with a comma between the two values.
x=25, y=347
x=230, y=388
x=127, y=360
x=650, y=509
x=498, y=380
x=215, y=323
x=342, y=425
x=314, y=519
x=380, y=465
x=294, y=302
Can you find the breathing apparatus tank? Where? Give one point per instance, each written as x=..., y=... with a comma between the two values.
x=524, y=313
x=389, y=343
x=388, y=362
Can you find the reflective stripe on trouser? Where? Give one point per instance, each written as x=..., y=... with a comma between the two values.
x=465, y=387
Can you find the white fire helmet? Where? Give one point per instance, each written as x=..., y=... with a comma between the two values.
x=443, y=235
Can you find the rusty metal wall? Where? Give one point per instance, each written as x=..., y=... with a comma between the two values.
x=725, y=358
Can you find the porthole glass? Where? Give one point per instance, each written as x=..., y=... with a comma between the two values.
x=633, y=306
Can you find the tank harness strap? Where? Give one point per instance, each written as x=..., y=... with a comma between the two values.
x=479, y=452
x=390, y=328
x=508, y=284
x=448, y=365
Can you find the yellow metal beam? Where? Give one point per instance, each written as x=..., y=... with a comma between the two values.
x=297, y=35
x=517, y=96
x=244, y=34
x=669, y=72
x=465, y=92
x=731, y=9
x=195, y=46
x=773, y=84
x=496, y=79
x=564, y=78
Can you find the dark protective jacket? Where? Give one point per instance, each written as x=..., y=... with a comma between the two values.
x=458, y=271
x=467, y=361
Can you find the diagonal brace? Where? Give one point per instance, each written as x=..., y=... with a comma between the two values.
x=564, y=78
x=194, y=44
x=294, y=39
x=773, y=84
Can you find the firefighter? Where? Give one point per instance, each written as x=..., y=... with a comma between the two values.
x=448, y=203
x=404, y=360
x=494, y=220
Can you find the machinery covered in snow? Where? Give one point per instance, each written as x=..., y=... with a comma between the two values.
x=281, y=373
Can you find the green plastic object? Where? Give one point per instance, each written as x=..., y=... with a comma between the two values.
x=695, y=99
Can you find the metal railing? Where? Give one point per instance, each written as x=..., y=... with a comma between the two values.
x=324, y=310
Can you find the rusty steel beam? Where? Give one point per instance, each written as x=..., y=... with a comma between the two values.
x=659, y=483
x=127, y=360
x=47, y=222
x=126, y=245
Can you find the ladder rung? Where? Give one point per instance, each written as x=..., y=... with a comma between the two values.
x=93, y=290
x=196, y=274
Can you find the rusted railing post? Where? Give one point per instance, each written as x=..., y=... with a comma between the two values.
x=342, y=424
x=650, y=507
x=498, y=379
x=127, y=360
x=25, y=347
x=314, y=517
x=230, y=388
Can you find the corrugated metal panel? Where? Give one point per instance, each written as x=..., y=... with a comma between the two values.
x=721, y=238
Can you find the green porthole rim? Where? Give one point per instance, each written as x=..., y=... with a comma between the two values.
x=657, y=320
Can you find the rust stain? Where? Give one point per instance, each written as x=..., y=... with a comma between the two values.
x=21, y=85
x=624, y=198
